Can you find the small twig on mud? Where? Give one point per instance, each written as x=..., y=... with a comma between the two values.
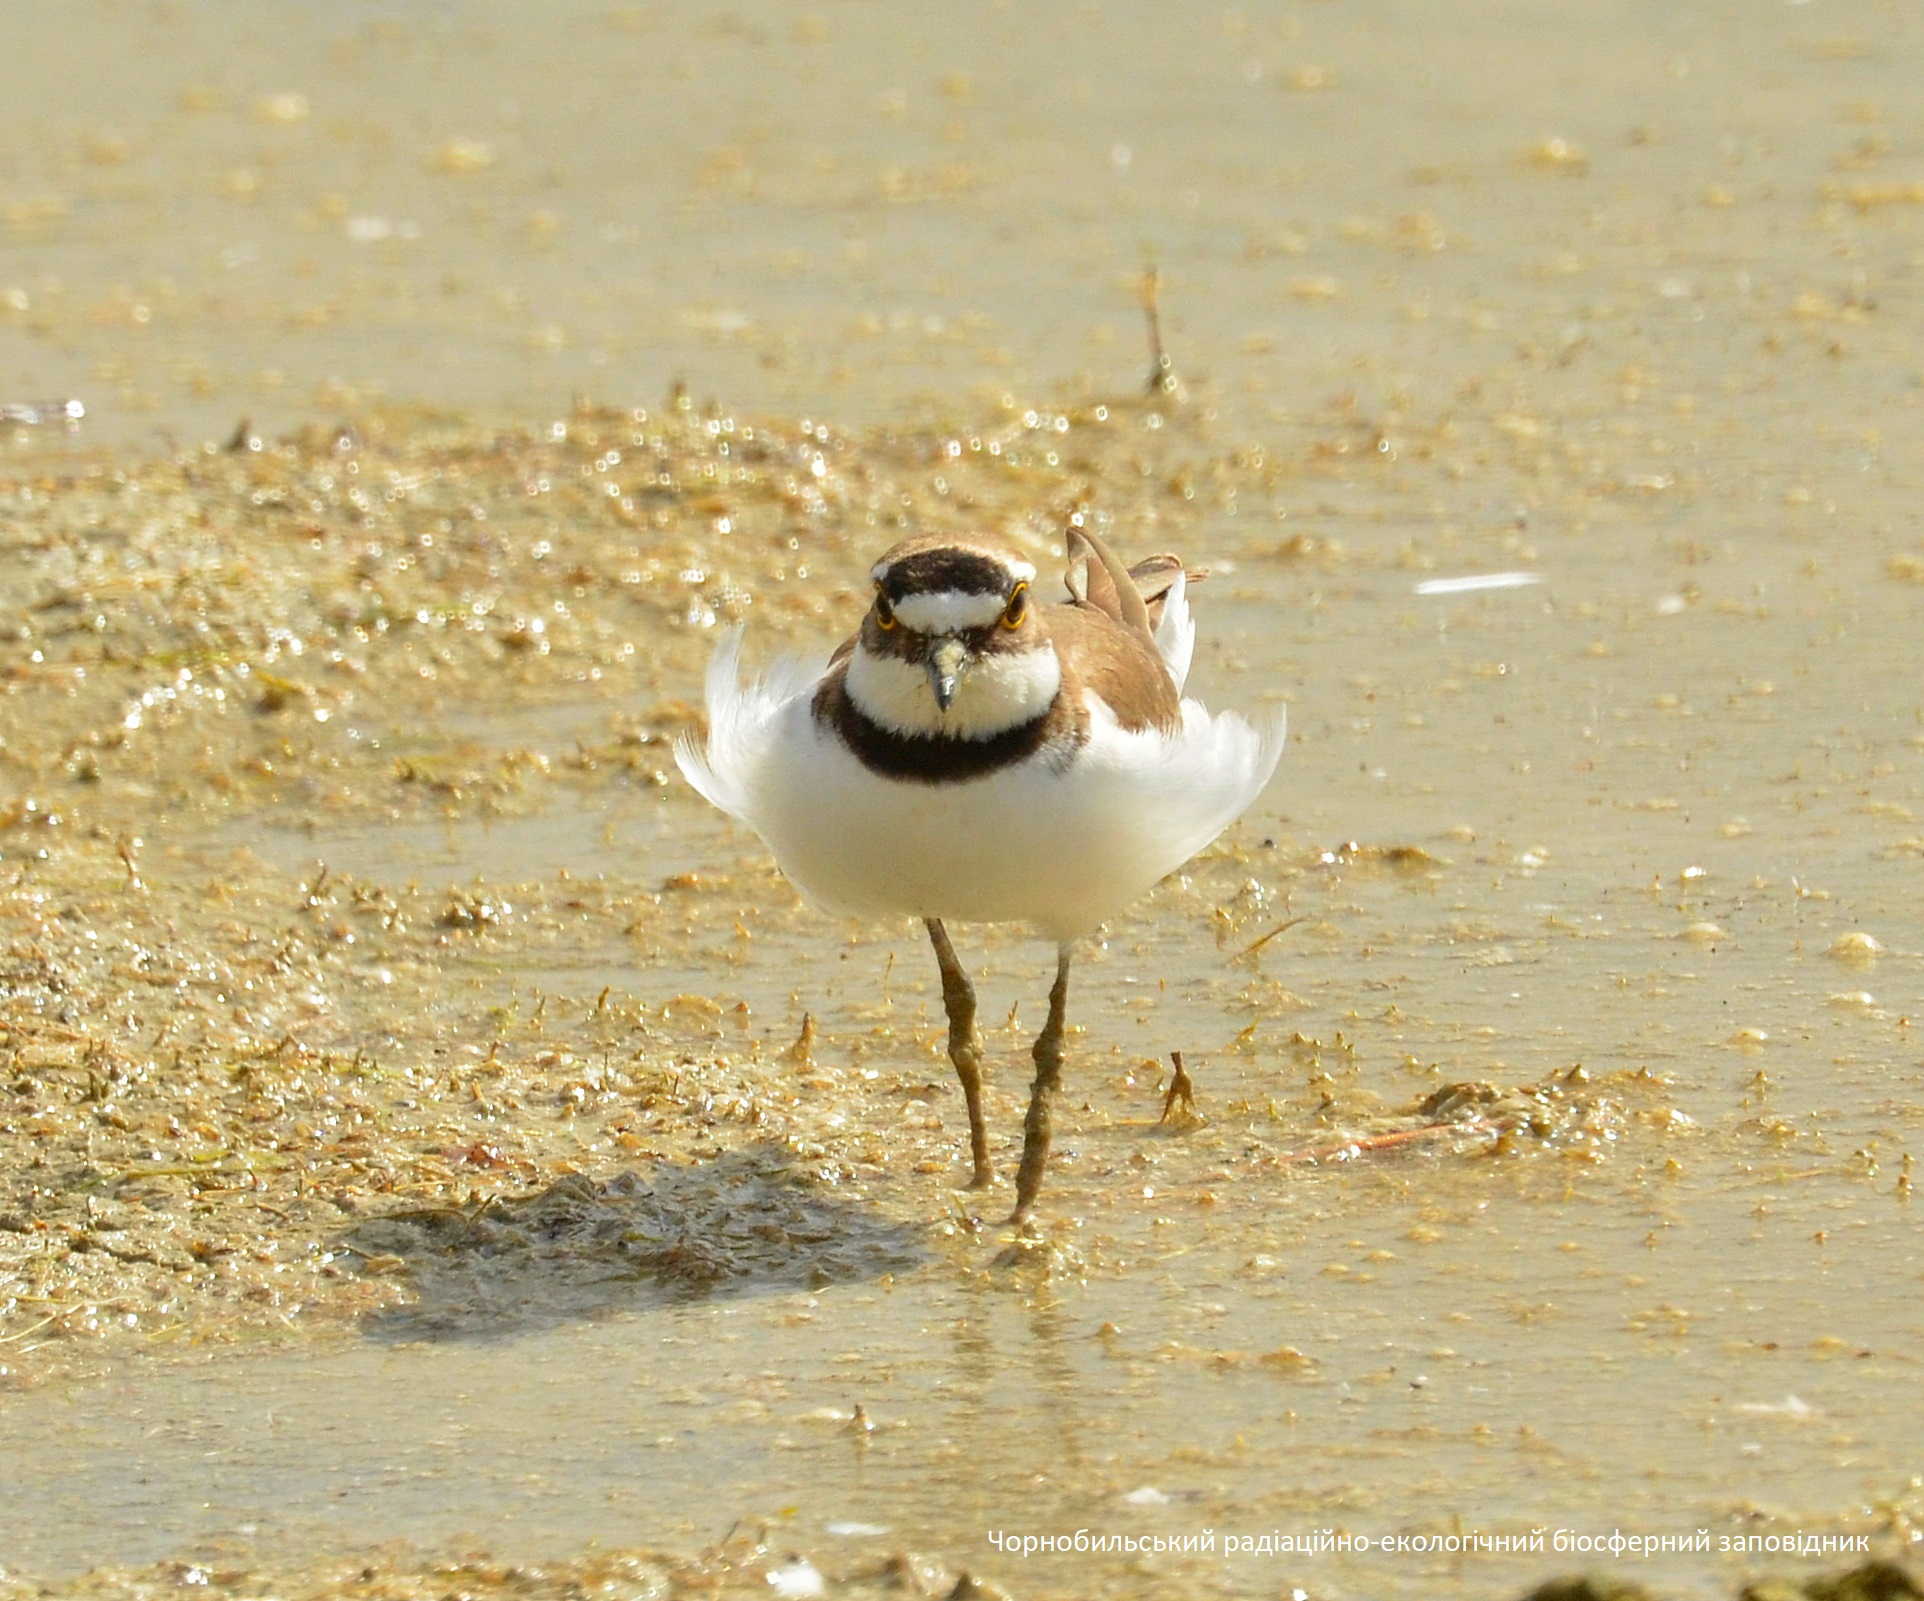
x=1252, y=948
x=1385, y=1142
x=9, y=1339
x=1162, y=371
x=1181, y=1099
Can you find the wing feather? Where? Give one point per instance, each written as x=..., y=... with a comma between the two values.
x=741, y=725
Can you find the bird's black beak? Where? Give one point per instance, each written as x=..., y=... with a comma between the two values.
x=947, y=662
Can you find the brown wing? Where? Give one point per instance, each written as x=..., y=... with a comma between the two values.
x=1116, y=663
x=1095, y=578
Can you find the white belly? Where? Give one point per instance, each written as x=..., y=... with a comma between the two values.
x=1062, y=849
x=1026, y=844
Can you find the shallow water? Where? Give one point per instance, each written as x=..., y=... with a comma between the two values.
x=1484, y=1378
x=293, y=213
x=1620, y=299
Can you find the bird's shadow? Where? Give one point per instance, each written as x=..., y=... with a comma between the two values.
x=748, y=1222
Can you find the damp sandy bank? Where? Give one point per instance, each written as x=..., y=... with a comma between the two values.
x=406, y=1131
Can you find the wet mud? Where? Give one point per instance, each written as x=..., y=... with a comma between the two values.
x=438, y=1155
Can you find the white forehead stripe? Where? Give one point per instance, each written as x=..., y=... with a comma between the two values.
x=948, y=611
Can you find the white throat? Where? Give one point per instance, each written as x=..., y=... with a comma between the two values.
x=999, y=691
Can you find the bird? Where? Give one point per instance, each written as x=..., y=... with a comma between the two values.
x=975, y=754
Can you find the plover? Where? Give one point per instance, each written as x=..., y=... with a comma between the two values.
x=974, y=754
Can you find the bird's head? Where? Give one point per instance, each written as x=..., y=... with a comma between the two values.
x=954, y=644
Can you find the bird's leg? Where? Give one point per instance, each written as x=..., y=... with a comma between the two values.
x=965, y=1047
x=1048, y=1078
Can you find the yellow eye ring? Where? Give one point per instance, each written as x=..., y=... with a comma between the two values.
x=1018, y=607
x=884, y=612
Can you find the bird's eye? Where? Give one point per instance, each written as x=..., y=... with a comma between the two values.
x=1018, y=607
x=884, y=612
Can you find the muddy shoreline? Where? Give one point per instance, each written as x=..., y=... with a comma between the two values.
x=462, y=1091
x=420, y=1115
